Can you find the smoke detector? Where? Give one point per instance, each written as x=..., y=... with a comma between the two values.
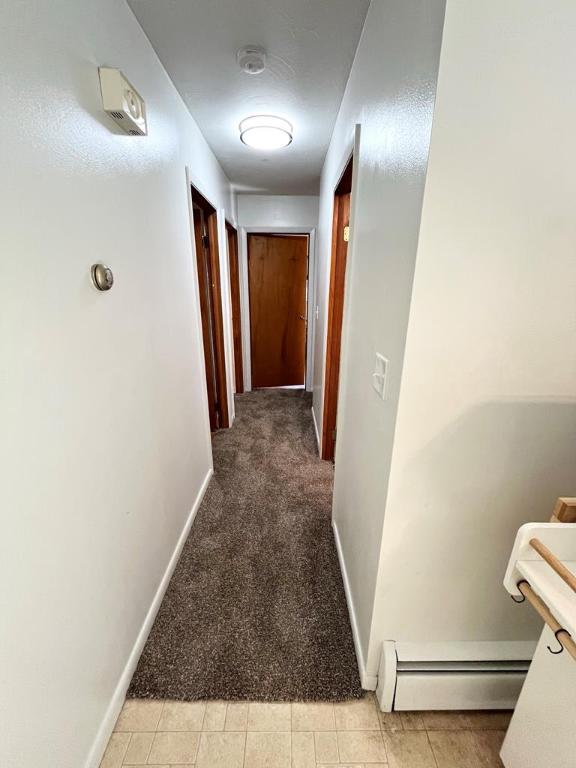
x=252, y=59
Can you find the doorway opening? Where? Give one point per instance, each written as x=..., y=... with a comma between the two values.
x=340, y=236
x=278, y=297
x=234, y=270
x=208, y=264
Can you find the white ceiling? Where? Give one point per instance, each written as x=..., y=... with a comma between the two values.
x=310, y=46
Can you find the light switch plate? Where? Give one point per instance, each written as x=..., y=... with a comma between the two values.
x=380, y=375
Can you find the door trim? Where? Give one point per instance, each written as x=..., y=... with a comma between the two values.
x=244, y=295
x=234, y=273
x=351, y=150
x=219, y=332
x=196, y=290
x=341, y=211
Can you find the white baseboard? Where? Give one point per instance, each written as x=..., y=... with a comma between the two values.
x=368, y=681
x=316, y=430
x=107, y=725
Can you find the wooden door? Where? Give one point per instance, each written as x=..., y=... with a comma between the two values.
x=236, y=312
x=208, y=266
x=340, y=234
x=277, y=276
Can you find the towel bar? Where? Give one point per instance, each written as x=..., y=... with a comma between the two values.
x=561, y=634
x=558, y=567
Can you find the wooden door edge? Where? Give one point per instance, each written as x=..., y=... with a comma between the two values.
x=221, y=378
x=233, y=255
x=327, y=451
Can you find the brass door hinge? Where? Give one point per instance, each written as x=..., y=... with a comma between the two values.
x=346, y=234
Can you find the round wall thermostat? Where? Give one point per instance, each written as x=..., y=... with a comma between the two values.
x=102, y=277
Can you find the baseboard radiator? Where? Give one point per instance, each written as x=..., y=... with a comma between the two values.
x=457, y=675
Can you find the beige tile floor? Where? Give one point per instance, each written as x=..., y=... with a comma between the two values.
x=353, y=734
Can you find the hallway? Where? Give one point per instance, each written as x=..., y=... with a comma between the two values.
x=256, y=607
x=288, y=383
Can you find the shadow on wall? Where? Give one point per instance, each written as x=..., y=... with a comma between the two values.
x=460, y=503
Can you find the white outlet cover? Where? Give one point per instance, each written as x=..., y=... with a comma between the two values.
x=380, y=375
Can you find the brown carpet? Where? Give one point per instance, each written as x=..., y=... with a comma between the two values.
x=256, y=607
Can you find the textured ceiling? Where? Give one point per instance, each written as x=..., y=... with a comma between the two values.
x=310, y=45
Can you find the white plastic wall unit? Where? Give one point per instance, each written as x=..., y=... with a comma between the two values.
x=390, y=94
x=104, y=446
x=277, y=214
x=457, y=676
x=486, y=430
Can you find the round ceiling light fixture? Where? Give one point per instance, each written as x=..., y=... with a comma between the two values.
x=265, y=132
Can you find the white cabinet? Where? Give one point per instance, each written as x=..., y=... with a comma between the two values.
x=542, y=732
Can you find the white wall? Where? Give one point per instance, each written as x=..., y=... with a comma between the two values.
x=276, y=213
x=104, y=440
x=390, y=93
x=486, y=430
x=277, y=210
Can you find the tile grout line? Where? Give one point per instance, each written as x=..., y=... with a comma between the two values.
x=246, y=743
x=384, y=745
x=336, y=733
x=314, y=746
x=126, y=750
x=160, y=716
x=128, y=747
x=156, y=729
x=432, y=748
x=291, y=745
x=151, y=743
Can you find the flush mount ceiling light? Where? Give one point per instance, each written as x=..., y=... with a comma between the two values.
x=265, y=132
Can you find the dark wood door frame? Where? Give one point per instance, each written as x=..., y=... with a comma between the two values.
x=209, y=284
x=340, y=220
x=236, y=307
